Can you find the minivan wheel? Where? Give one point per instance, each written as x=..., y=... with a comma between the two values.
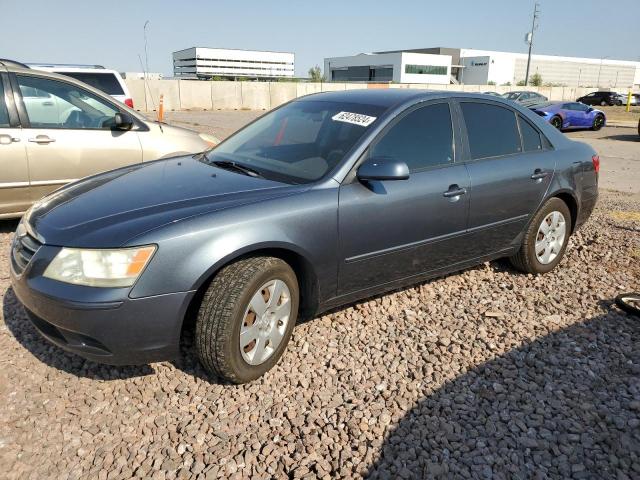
x=545, y=239
x=246, y=318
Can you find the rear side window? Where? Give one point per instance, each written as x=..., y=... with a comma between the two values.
x=531, y=141
x=107, y=82
x=491, y=129
x=421, y=139
x=4, y=113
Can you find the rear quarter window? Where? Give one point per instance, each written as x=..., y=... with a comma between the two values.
x=107, y=82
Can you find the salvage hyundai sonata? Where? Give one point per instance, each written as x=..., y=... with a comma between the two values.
x=328, y=199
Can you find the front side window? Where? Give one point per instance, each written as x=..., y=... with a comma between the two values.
x=299, y=142
x=421, y=139
x=491, y=129
x=531, y=141
x=53, y=104
x=4, y=112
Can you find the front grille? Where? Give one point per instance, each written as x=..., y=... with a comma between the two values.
x=24, y=248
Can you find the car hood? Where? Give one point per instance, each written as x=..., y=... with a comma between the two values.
x=108, y=209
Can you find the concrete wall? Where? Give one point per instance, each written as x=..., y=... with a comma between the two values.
x=203, y=95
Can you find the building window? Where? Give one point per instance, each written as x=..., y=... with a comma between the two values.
x=426, y=69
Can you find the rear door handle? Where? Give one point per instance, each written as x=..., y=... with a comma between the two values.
x=454, y=191
x=539, y=174
x=42, y=139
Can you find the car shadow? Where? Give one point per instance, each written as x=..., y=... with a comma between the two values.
x=565, y=405
x=26, y=334
x=8, y=226
x=624, y=138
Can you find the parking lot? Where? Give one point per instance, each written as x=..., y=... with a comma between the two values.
x=488, y=373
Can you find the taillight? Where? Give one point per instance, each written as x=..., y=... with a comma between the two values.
x=129, y=102
x=596, y=163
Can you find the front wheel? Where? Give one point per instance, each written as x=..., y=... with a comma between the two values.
x=246, y=318
x=545, y=239
x=603, y=103
x=598, y=123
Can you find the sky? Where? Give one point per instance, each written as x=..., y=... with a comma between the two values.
x=111, y=33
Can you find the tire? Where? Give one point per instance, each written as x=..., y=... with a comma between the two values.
x=629, y=302
x=527, y=260
x=556, y=122
x=603, y=103
x=598, y=122
x=227, y=307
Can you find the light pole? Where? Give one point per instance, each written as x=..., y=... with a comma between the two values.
x=529, y=38
x=146, y=54
x=600, y=69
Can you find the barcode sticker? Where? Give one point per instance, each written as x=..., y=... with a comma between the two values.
x=355, y=118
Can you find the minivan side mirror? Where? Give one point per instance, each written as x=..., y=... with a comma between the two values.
x=122, y=121
x=383, y=168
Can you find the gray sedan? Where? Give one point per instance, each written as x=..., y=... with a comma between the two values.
x=329, y=199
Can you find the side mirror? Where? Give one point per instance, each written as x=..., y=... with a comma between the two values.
x=590, y=109
x=383, y=168
x=122, y=121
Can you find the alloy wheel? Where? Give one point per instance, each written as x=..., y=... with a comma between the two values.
x=265, y=322
x=550, y=238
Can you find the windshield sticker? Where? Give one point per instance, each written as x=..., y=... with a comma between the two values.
x=355, y=118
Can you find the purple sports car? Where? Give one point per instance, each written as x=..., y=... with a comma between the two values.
x=570, y=115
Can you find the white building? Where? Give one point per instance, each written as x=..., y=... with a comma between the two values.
x=483, y=66
x=479, y=67
x=398, y=67
x=142, y=75
x=198, y=62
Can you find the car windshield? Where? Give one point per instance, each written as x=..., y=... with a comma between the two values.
x=297, y=143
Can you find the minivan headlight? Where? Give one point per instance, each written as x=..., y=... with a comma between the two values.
x=100, y=268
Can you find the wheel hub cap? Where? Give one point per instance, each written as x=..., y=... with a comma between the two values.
x=265, y=322
x=550, y=238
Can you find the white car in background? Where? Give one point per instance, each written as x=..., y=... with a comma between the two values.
x=104, y=79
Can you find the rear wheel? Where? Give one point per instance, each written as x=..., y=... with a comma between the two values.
x=556, y=122
x=545, y=239
x=603, y=103
x=598, y=122
x=246, y=318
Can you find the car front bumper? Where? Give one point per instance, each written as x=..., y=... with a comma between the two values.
x=100, y=324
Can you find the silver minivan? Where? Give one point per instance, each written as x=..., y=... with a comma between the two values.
x=55, y=130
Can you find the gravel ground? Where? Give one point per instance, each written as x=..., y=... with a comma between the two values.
x=487, y=373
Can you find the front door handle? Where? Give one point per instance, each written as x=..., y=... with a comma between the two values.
x=42, y=139
x=539, y=174
x=454, y=191
x=8, y=139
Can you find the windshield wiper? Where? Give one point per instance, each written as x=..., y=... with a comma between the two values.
x=229, y=165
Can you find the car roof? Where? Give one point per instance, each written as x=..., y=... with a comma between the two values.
x=391, y=97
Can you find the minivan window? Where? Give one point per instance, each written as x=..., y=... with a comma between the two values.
x=299, y=142
x=64, y=105
x=107, y=82
x=4, y=113
x=530, y=136
x=491, y=129
x=421, y=139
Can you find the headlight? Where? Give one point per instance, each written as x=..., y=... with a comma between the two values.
x=210, y=139
x=100, y=268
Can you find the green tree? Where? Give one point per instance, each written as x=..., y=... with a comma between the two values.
x=536, y=80
x=491, y=82
x=315, y=74
x=520, y=83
